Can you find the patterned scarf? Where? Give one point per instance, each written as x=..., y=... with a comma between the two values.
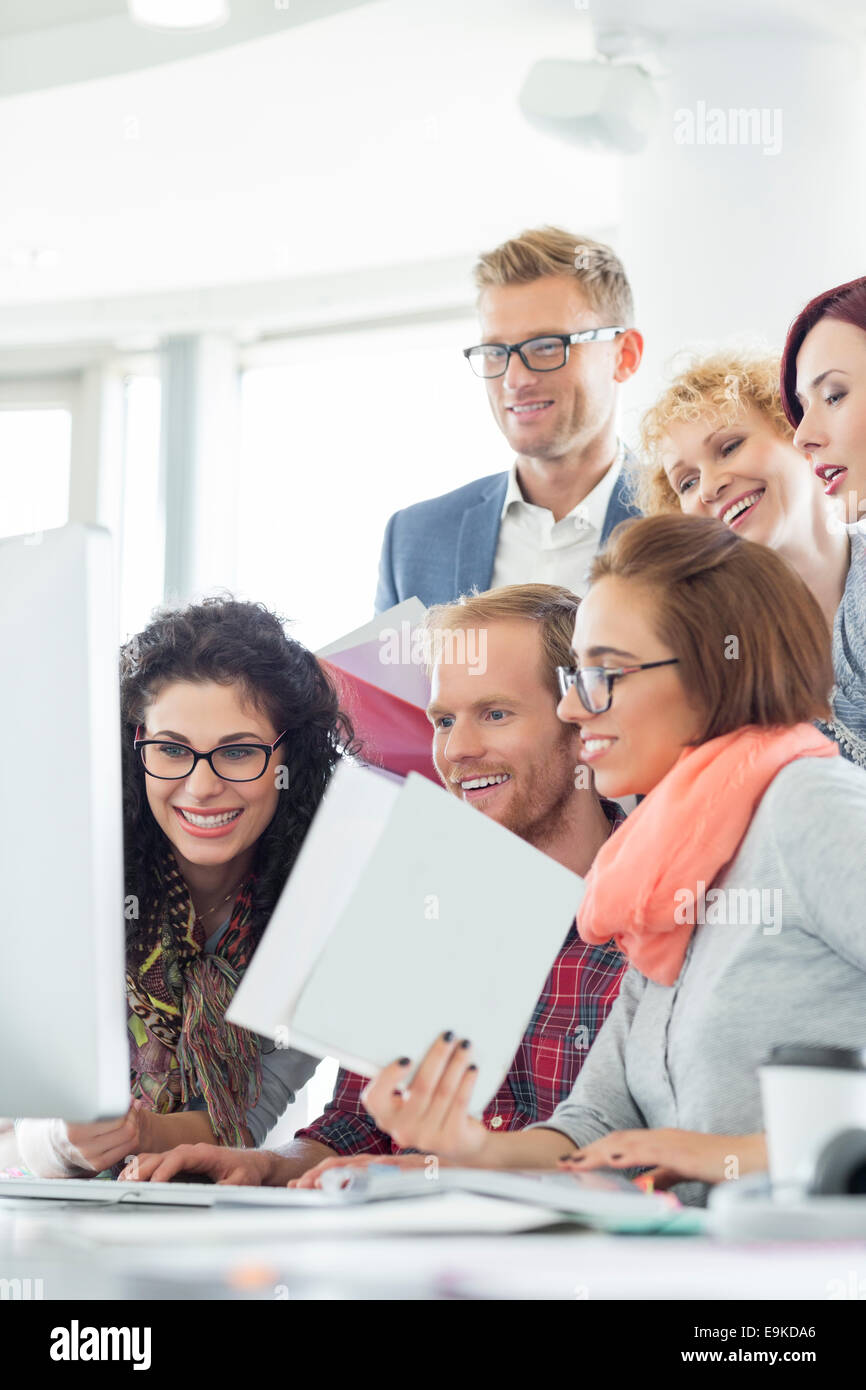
x=182, y=1047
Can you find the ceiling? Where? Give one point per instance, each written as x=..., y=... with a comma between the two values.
x=49, y=43
x=385, y=135
x=22, y=16
x=682, y=18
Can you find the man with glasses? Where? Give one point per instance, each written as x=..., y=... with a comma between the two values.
x=557, y=341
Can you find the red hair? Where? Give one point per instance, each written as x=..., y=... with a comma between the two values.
x=847, y=303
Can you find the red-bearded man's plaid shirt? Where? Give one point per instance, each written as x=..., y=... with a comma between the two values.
x=574, y=1003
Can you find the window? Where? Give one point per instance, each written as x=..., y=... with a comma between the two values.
x=143, y=532
x=34, y=468
x=338, y=432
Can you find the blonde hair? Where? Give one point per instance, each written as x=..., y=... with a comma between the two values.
x=551, y=251
x=554, y=609
x=721, y=385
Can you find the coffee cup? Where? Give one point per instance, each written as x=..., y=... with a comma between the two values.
x=809, y=1095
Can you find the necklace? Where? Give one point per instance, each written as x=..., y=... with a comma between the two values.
x=201, y=915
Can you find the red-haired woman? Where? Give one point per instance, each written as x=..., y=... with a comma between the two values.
x=824, y=397
x=824, y=391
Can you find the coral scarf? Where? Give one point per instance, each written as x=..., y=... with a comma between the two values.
x=685, y=830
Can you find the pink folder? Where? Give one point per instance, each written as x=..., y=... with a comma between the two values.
x=396, y=735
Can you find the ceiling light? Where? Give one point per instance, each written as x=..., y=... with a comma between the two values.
x=179, y=14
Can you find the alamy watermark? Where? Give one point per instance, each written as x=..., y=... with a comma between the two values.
x=77, y=1343
x=729, y=907
x=21, y=1290
x=851, y=516
x=853, y=1287
x=428, y=647
x=713, y=125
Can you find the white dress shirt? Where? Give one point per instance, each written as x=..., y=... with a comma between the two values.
x=534, y=549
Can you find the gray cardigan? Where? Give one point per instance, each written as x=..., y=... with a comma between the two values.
x=685, y=1056
x=849, y=659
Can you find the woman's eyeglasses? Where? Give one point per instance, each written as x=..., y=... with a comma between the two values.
x=594, y=684
x=231, y=762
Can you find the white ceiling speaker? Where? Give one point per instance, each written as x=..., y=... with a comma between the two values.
x=179, y=14
x=598, y=104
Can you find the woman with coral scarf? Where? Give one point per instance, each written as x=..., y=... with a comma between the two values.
x=735, y=889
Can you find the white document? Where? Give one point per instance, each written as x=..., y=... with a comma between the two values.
x=386, y=653
x=407, y=913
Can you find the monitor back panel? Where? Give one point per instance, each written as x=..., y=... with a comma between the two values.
x=63, y=1045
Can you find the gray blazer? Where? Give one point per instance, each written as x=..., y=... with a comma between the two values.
x=444, y=547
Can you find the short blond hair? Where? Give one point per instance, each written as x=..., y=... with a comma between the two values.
x=720, y=385
x=552, y=607
x=552, y=251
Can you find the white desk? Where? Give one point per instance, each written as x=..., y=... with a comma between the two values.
x=276, y=1255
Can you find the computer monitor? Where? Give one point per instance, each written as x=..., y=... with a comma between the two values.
x=63, y=1037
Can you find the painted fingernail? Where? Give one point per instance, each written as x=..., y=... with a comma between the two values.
x=397, y=1093
x=616, y=1155
x=448, y=1037
x=466, y=1043
x=403, y=1062
x=472, y=1067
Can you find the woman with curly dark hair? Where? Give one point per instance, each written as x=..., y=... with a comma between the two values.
x=230, y=732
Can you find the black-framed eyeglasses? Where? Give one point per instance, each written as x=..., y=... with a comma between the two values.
x=595, y=683
x=231, y=762
x=544, y=354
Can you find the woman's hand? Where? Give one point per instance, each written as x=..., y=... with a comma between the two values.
x=140, y=1131
x=673, y=1155
x=108, y=1141
x=433, y=1115
x=312, y=1175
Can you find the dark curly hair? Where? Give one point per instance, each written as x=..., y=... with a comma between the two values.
x=227, y=641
